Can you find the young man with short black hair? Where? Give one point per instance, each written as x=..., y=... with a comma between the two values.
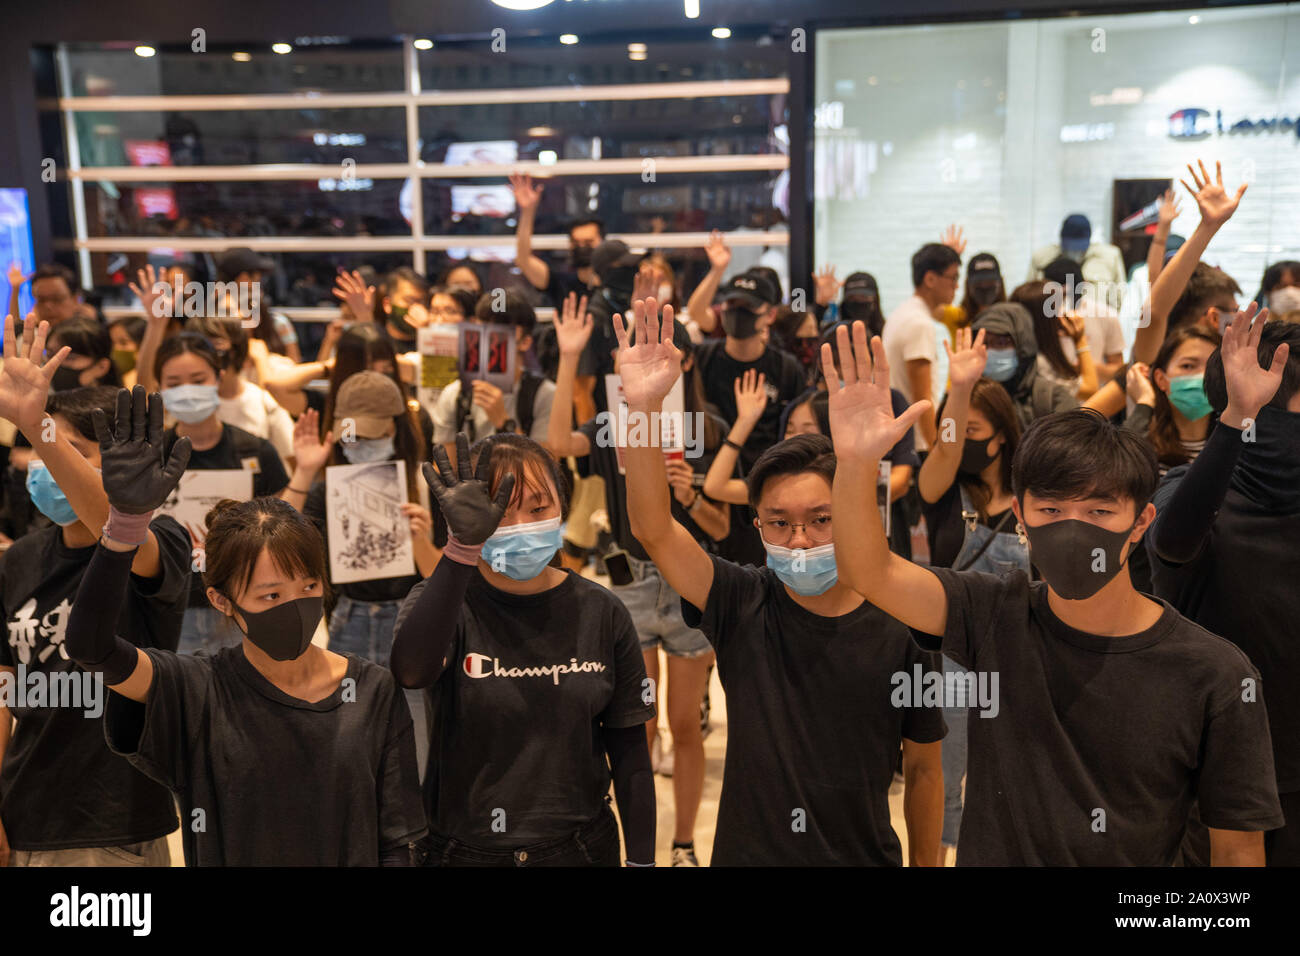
x=584, y=236
x=810, y=668
x=1117, y=713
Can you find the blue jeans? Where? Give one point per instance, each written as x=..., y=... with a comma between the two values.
x=207, y=629
x=954, y=763
x=656, y=611
x=365, y=629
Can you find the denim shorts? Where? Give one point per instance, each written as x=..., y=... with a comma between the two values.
x=593, y=844
x=656, y=611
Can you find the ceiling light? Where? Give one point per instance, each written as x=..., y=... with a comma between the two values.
x=241, y=57
x=423, y=44
x=281, y=48
x=721, y=33
x=692, y=9
x=568, y=39
x=145, y=51
x=636, y=48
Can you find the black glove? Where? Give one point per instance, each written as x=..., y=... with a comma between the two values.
x=136, y=479
x=471, y=515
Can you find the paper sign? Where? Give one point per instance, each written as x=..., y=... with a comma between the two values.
x=199, y=492
x=487, y=353
x=439, y=347
x=672, y=438
x=369, y=537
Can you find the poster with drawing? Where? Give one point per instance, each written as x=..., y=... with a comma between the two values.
x=672, y=421
x=487, y=352
x=198, y=492
x=369, y=537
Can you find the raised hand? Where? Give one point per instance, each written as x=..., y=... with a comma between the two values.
x=966, y=364
x=17, y=277
x=24, y=381
x=358, y=299
x=1249, y=386
x=650, y=367
x=718, y=252
x=527, y=194
x=1169, y=209
x=825, y=285
x=573, y=325
x=1216, y=205
x=310, y=451
x=153, y=294
x=952, y=238
x=863, y=426
x=751, y=396
x=137, y=479
x=472, y=515
x=1137, y=384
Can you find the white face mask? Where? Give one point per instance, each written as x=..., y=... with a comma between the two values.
x=1283, y=300
x=665, y=293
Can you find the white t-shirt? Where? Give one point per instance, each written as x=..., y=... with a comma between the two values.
x=256, y=412
x=444, y=413
x=1103, y=328
x=911, y=332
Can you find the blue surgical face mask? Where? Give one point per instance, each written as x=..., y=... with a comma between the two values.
x=1187, y=393
x=1002, y=365
x=365, y=450
x=522, y=551
x=191, y=403
x=806, y=571
x=47, y=496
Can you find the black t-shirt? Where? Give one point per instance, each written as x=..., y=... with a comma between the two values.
x=236, y=449
x=383, y=589
x=516, y=753
x=603, y=461
x=279, y=781
x=812, y=733
x=1243, y=585
x=60, y=786
x=784, y=382
x=559, y=283
x=1116, y=732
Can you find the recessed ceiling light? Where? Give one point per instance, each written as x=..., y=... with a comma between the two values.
x=721, y=33
x=636, y=48
x=241, y=57
x=568, y=39
x=636, y=56
x=692, y=9
x=423, y=44
x=281, y=48
x=145, y=51
x=1193, y=19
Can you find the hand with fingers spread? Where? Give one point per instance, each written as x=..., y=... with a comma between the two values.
x=863, y=426
x=1215, y=203
x=1168, y=210
x=825, y=285
x=718, y=251
x=527, y=193
x=573, y=325
x=1250, y=387
x=153, y=293
x=645, y=285
x=966, y=364
x=24, y=380
x=751, y=397
x=952, y=238
x=472, y=514
x=17, y=276
x=650, y=367
x=357, y=298
x=137, y=478
x=310, y=451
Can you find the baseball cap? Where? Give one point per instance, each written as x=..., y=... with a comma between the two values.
x=371, y=400
x=1172, y=245
x=983, y=266
x=1076, y=233
x=861, y=285
x=610, y=255
x=752, y=288
x=242, y=259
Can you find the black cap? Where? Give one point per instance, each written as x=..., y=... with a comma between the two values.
x=1061, y=269
x=752, y=288
x=1076, y=233
x=610, y=255
x=983, y=266
x=234, y=261
x=861, y=285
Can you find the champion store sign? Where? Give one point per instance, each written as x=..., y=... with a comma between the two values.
x=1194, y=123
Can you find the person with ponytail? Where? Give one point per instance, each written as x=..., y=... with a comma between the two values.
x=533, y=677
x=318, y=746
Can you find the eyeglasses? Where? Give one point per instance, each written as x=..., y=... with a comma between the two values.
x=780, y=532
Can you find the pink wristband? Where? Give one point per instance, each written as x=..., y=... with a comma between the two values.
x=127, y=529
x=461, y=553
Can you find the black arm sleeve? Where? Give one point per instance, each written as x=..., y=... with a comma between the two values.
x=1140, y=420
x=425, y=634
x=90, y=638
x=634, y=788
x=1185, y=521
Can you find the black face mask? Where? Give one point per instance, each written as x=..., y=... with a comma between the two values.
x=975, y=456
x=1076, y=558
x=580, y=256
x=807, y=349
x=284, y=631
x=983, y=293
x=397, y=316
x=739, y=322
x=1268, y=471
x=66, y=378
x=858, y=310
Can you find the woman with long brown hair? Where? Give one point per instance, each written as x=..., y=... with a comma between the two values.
x=1064, y=354
x=1171, y=405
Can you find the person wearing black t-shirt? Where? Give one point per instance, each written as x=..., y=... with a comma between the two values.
x=655, y=607
x=536, y=687
x=749, y=303
x=1117, y=713
x=289, y=754
x=65, y=798
x=584, y=236
x=1223, y=549
x=812, y=672
x=187, y=369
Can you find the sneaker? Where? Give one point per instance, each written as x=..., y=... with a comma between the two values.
x=684, y=856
